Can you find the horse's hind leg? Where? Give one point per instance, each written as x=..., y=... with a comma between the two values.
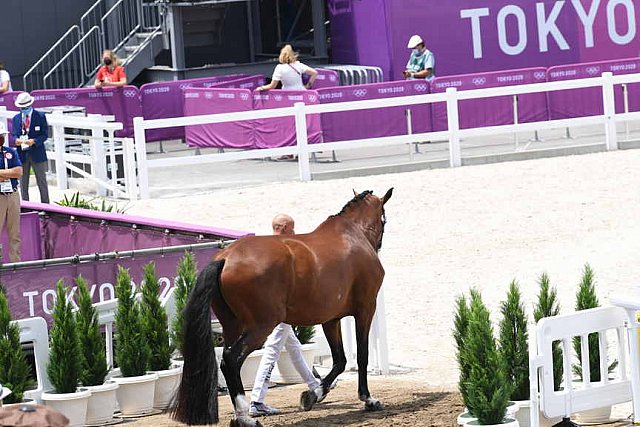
x=334, y=338
x=232, y=359
x=363, y=323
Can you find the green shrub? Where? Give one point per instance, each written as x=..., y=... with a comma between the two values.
x=460, y=326
x=185, y=281
x=154, y=322
x=487, y=387
x=92, y=345
x=304, y=333
x=14, y=369
x=65, y=359
x=514, y=343
x=76, y=201
x=132, y=349
x=548, y=306
x=586, y=298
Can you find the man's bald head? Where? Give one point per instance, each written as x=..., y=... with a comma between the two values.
x=282, y=224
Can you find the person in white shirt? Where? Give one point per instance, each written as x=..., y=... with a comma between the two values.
x=290, y=72
x=5, y=80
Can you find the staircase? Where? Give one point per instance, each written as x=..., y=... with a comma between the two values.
x=131, y=28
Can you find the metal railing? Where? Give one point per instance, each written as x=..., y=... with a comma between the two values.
x=34, y=76
x=91, y=18
x=120, y=23
x=74, y=68
x=74, y=59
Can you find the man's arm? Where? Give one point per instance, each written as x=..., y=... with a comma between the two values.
x=4, y=87
x=15, y=172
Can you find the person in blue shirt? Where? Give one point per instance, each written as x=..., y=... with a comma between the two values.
x=421, y=63
x=10, y=171
x=30, y=131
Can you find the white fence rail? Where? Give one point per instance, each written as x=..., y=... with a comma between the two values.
x=103, y=151
x=453, y=134
x=613, y=388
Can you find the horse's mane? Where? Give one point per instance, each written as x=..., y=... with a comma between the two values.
x=356, y=199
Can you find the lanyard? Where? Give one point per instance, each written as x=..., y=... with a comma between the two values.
x=4, y=157
x=25, y=124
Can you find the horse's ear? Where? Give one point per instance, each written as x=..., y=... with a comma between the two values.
x=387, y=196
x=355, y=193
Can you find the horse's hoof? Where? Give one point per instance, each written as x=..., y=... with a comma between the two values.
x=244, y=422
x=373, y=406
x=307, y=400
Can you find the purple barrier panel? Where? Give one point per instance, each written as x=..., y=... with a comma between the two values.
x=281, y=132
x=31, y=291
x=588, y=101
x=174, y=226
x=378, y=122
x=123, y=103
x=30, y=238
x=237, y=134
x=326, y=78
x=161, y=100
x=496, y=110
x=250, y=82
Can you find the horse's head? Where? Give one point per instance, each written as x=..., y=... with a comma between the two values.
x=367, y=210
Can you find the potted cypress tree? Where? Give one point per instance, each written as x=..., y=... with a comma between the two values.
x=156, y=332
x=94, y=368
x=14, y=369
x=586, y=298
x=488, y=388
x=65, y=363
x=137, y=388
x=185, y=281
x=460, y=325
x=288, y=373
x=547, y=306
x=514, y=347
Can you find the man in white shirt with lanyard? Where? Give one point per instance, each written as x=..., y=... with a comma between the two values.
x=10, y=171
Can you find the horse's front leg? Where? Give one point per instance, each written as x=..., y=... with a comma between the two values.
x=363, y=323
x=333, y=334
x=232, y=359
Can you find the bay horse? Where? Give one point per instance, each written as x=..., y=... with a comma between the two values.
x=260, y=281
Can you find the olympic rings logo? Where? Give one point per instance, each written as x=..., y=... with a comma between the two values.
x=244, y=96
x=208, y=95
x=479, y=81
x=420, y=87
x=312, y=98
x=71, y=95
x=277, y=97
x=593, y=70
x=539, y=75
x=360, y=92
x=130, y=93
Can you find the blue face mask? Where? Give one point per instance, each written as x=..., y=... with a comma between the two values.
x=417, y=52
x=26, y=111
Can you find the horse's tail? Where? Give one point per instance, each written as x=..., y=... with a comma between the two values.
x=197, y=399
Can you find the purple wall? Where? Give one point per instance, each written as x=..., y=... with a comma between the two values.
x=470, y=36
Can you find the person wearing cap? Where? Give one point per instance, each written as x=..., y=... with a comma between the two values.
x=421, y=63
x=30, y=131
x=10, y=171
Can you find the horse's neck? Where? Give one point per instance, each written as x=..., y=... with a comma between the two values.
x=347, y=224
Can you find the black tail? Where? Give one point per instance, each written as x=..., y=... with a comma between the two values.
x=197, y=400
